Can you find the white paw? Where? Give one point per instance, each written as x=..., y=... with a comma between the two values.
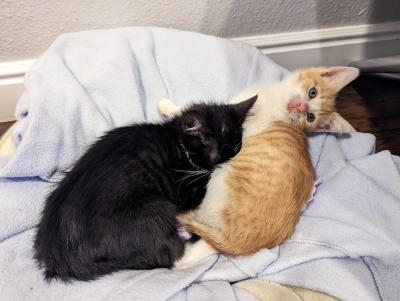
x=194, y=253
x=182, y=265
x=167, y=108
x=185, y=262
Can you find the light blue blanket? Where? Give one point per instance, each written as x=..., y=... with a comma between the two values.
x=346, y=244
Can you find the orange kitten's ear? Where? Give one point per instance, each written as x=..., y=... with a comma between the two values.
x=335, y=124
x=338, y=77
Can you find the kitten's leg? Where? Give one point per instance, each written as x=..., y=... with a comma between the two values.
x=314, y=190
x=167, y=108
x=194, y=253
x=191, y=220
x=150, y=240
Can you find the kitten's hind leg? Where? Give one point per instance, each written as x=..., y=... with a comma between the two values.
x=144, y=238
x=214, y=235
x=193, y=254
x=197, y=251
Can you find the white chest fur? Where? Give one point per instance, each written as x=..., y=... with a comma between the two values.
x=209, y=212
x=271, y=105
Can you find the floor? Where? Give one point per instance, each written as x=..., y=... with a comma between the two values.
x=370, y=104
x=4, y=126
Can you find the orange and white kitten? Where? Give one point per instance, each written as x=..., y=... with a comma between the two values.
x=255, y=200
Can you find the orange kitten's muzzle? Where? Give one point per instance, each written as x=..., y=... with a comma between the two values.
x=298, y=107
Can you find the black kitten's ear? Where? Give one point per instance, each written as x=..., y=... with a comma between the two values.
x=243, y=108
x=192, y=123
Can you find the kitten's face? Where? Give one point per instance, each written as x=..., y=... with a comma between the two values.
x=212, y=133
x=312, y=97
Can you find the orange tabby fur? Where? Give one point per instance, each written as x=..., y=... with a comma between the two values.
x=272, y=178
x=270, y=181
x=327, y=95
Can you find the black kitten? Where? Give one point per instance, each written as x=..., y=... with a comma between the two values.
x=116, y=209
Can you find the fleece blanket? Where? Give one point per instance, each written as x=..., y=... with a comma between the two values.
x=347, y=243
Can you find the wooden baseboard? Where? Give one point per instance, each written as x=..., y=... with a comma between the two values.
x=330, y=46
x=11, y=86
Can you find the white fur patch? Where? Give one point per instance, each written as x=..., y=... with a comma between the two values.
x=193, y=254
x=271, y=105
x=167, y=108
x=209, y=211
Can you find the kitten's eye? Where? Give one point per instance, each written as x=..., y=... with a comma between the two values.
x=310, y=117
x=312, y=92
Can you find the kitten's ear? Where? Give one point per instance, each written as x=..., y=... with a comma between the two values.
x=243, y=108
x=192, y=123
x=338, y=77
x=336, y=124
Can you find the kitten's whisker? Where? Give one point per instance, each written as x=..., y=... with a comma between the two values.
x=202, y=176
x=238, y=146
x=192, y=171
x=222, y=147
x=192, y=174
x=186, y=177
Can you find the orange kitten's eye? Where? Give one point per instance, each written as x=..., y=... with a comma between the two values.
x=310, y=117
x=312, y=92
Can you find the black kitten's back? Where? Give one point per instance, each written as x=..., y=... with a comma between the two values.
x=116, y=209
x=109, y=211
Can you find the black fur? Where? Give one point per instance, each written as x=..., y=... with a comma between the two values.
x=116, y=209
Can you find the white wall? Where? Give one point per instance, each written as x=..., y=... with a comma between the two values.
x=27, y=27
x=294, y=33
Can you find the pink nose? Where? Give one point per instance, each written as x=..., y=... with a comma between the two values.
x=298, y=107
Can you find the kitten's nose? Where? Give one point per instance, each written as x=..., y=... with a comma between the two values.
x=213, y=156
x=298, y=107
x=303, y=107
